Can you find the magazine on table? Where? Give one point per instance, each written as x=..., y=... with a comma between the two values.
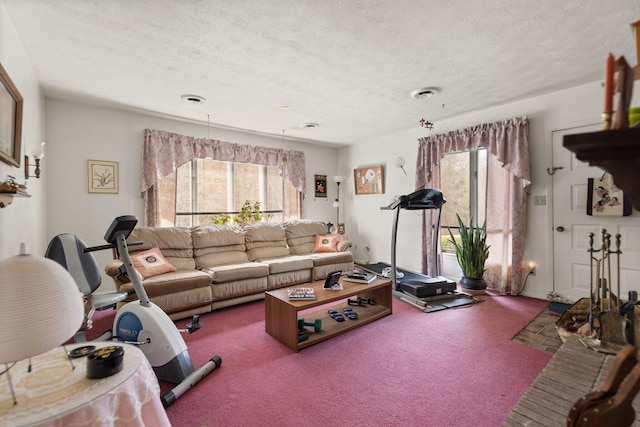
x=301, y=293
x=358, y=277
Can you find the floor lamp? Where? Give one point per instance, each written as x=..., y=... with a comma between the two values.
x=338, y=179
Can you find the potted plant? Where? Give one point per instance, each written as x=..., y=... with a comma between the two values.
x=248, y=213
x=472, y=252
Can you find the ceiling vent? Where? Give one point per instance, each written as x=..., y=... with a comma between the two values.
x=310, y=125
x=194, y=99
x=425, y=92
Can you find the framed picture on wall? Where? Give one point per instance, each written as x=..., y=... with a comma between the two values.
x=369, y=180
x=102, y=176
x=10, y=120
x=321, y=185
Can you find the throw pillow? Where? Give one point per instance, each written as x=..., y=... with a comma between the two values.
x=326, y=243
x=151, y=262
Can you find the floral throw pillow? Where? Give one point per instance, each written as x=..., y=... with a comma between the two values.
x=151, y=262
x=326, y=243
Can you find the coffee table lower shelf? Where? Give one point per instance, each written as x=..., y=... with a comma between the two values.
x=281, y=315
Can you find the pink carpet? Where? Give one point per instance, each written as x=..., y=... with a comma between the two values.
x=457, y=367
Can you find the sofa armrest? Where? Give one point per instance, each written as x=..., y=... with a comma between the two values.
x=344, y=246
x=113, y=270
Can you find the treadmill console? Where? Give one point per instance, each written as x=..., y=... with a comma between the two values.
x=427, y=198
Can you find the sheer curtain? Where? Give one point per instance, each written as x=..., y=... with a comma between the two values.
x=508, y=178
x=164, y=152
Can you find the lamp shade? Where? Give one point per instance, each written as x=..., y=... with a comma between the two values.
x=338, y=179
x=41, y=306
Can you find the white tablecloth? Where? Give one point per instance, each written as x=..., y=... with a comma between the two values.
x=55, y=394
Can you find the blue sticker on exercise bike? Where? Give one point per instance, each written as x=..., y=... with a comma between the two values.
x=128, y=327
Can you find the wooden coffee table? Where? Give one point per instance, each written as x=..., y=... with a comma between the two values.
x=281, y=314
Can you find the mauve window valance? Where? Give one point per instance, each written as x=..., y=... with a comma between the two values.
x=164, y=152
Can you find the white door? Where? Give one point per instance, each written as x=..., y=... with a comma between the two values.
x=572, y=225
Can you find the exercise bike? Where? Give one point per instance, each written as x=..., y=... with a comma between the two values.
x=141, y=322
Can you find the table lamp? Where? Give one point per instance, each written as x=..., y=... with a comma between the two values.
x=41, y=306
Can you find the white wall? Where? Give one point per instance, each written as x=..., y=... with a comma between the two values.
x=369, y=226
x=79, y=132
x=22, y=221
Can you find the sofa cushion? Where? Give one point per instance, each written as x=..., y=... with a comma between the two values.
x=326, y=243
x=301, y=235
x=229, y=273
x=290, y=263
x=168, y=283
x=151, y=262
x=239, y=289
x=265, y=240
x=215, y=245
x=327, y=258
x=174, y=242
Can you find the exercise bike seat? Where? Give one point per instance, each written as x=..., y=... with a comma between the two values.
x=68, y=250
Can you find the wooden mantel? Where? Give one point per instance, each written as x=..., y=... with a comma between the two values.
x=617, y=151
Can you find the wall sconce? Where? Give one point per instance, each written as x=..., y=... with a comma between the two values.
x=36, y=158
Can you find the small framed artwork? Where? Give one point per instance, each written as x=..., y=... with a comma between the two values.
x=321, y=185
x=102, y=176
x=369, y=180
x=341, y=228
x=10, y=120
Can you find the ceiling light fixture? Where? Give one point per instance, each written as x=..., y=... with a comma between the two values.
x=425, y=92
x=194, y=99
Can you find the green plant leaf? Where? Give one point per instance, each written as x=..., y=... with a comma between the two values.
x=471, y=248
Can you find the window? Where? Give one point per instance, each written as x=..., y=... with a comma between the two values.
x=203, y=190
x=463, y=181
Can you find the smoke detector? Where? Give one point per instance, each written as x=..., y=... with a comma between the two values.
x=310, y=125
x=194, y=99
x=425, y=92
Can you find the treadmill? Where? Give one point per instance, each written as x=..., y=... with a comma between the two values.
x=424, y=292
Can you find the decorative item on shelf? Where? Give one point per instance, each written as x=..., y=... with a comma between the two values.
x=623, y=88
x=321, y=185
x=472, y=252
x=369, y=180
x=9, y=185
x=46, y=293
x=37, y=158
x=426, y=124
x=634, y=117
x=336, y=204
x=9, y=189
x=636, y=30
x=608, y=92
x=618, y=85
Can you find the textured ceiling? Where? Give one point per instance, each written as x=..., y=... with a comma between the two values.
x=349, y=66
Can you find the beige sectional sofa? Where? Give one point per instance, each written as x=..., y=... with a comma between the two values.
x=220, y=265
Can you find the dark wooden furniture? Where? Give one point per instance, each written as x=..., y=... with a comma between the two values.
x=617, y=151
x=281, y=314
